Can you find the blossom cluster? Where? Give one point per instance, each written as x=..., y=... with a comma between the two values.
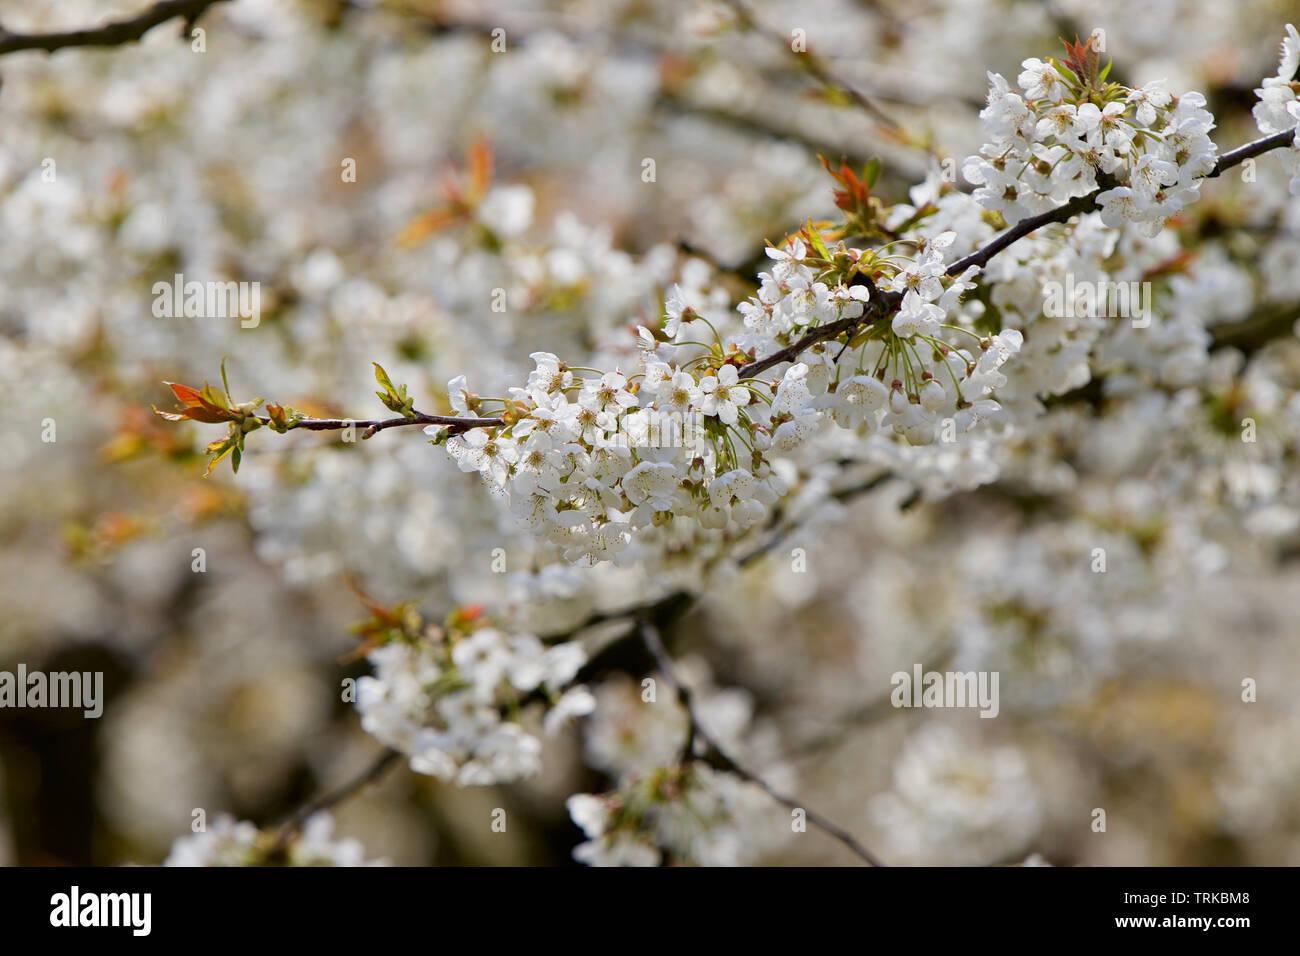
x=588, y=461
x=682, y=813
x=947, y=796
x=1278, y=109
x=240, y=843
x=449, y=697
x=1065, y=131
x=666, y=806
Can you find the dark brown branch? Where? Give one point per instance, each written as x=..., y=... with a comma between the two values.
x=980, y=257
x=109, y=34
x=716, y=757
x=1256, y=330
x=1250, y=151
x=878, y=307
x=457, y=425
x=886, y=303
x=1024, y=227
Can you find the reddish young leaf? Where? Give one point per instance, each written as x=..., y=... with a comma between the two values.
x=1082, y=60
x=197, y=407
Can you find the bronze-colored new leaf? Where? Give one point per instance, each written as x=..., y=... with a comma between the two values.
x=196, y=406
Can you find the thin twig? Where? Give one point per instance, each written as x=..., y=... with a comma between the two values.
x=114, y=33
x=720, y=759
x=815, y=67
x=290, y=828
x=371, y=426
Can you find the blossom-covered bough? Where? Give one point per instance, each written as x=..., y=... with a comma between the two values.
x=910, y=339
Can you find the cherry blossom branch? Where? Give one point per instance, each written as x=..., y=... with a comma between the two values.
x=109, y=34
x=715, y=757
x=646, y=618
x=208, y=406
x=371, y=426
x=1024, y=227
x=981, y=256
x=1250, y=151
x=877, y=307
x=886, y=303
x=718, y=758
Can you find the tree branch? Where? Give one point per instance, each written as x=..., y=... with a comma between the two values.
x=291, y=827
x=457, y=425
x=1024, y=227
x=662, y=611
x=674, y=604
x=1256, y=330
x=1250, y=151
x=878, y=307
x=980, y=257
x=109, y=34
x=719, y=759
x=815, y=67
x=886, y=303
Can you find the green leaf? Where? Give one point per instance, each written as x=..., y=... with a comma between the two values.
x=394, y=397
x=818, y=244
x=1064, y=71
x=871, y=172
x=213, y=398
x=224, y=383
x=219, y=450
